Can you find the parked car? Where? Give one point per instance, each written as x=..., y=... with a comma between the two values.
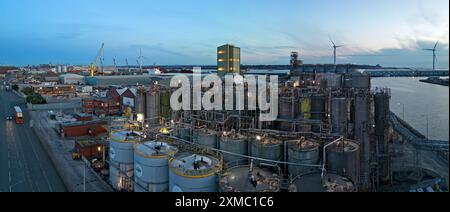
x=9, y=117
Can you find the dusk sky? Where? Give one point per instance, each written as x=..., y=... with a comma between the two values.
x=386, y=32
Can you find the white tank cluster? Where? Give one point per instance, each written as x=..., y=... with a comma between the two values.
x=151, y=166
x=193, y=173
x=250, y=179
x=121, y=158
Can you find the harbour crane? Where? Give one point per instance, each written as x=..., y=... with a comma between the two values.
x=97, y=60
x=115, y=65
x=434, y=54
x=128, y=64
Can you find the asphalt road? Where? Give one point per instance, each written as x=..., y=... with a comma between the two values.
x=24, y=164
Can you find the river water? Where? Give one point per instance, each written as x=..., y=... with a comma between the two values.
x=420, y=100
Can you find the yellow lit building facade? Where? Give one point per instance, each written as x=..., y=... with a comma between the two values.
x=228, y=59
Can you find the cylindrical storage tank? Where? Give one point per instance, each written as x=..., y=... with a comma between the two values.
x=318, y=109
x=267, y=148
x=193, y=173
x=302, y=152
x=339, y=115
x=287, y=108
x=121, y=159
x=183, y=133
x=313, y=182
x=357, y=80
x=140, y=100
x=343, y=158
x=153, y=104
x=205, y=137
x=245, y=179
x=235, y=143
x=165, y=104
x=151, y=166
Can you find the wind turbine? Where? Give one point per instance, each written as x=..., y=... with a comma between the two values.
x=434, y=55
x=139, y=60
x=335, y=47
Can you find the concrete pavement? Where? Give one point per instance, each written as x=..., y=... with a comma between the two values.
x=24, y=164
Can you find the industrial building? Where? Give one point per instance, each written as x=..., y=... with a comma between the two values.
x=124, y=80
x=228, y=59
x=71, y=79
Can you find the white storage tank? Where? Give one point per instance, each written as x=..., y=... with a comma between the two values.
x=193, y=173
x=151, y=166
x=121, y=158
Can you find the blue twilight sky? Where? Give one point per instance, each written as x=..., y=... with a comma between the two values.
x=386, y=32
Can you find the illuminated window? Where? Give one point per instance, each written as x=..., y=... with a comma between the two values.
x=221, y=60
x=221, y=69
x=221, y=52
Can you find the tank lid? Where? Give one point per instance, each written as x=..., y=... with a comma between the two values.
x=155, y=149
x=314, y=182
x=241, y=179
x=127, y=136
x=265, y=140
x=232, y=135
x=195, y=164
x=345, y=146
x=302, y=144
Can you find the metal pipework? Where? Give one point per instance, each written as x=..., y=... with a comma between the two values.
x=325, y=154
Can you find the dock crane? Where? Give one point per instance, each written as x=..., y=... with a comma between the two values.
x=98, y=58
x=115, y=65
x=128, y=65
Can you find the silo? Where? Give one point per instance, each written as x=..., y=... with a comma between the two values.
x=165, y=104
x=339, y=115
x=382, y=111
x=151, y=166
x=249, y=179
x=343, y=158
x=318, y=109
x=313, y=182
x=205, y=137
x=121, y=159
x=183, y=132
x=235, y=143
x=318, y=104
x=267, y=148
x=141, y=101
x=302, y=152
x=193, y=173
x=362, y=136
x=153, y=104
x=288, y=108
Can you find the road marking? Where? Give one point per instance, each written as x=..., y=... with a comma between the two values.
x=9, y=176
x=12, y=186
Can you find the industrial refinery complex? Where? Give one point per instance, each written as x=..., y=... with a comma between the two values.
x=114, y=129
